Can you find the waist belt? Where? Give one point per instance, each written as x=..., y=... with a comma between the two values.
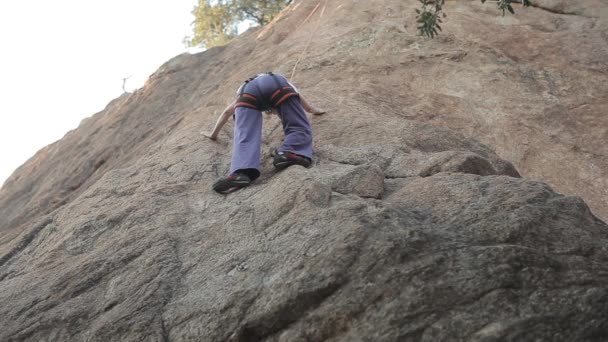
x=278, y=96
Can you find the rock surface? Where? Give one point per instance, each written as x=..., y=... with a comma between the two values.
x=406, y=228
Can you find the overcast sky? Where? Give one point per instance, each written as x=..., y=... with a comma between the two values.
x=64, y=60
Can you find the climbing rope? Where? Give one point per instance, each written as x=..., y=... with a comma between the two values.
x=312, y=34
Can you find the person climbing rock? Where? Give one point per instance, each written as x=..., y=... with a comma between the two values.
x=272, y=93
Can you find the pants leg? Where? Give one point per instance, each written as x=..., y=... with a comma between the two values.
x=298, y=133
x=246, y=150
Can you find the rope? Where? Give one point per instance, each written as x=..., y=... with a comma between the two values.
x=312, y=33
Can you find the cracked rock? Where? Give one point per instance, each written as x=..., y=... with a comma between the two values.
x=364, y=181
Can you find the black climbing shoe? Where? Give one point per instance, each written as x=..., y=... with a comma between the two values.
x=232, y=182
x=284, y=160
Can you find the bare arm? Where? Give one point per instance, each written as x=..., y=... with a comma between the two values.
x=309, y=108
x=221, y=121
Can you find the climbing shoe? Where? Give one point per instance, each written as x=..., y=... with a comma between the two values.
x=232, y=182
x=284, y=160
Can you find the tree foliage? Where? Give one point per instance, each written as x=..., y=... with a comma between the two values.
x=429, y=16
x=213, y=24
x=216, y=21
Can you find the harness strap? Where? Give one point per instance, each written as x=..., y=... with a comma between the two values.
x=282, y=93
x=278, y=96
x=246, y=100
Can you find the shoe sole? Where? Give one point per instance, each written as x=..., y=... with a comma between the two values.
x=286, y=164
x=223, y=185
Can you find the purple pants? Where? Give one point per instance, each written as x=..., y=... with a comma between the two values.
x=246, y=151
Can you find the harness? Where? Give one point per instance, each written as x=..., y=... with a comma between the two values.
x=263, y=104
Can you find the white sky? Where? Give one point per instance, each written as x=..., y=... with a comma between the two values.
x=64, y=60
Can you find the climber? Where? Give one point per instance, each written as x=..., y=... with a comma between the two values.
x=271, y=93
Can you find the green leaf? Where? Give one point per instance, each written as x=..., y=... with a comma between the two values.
x=429, y=16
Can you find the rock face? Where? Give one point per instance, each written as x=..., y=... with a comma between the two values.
x=406, y=228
